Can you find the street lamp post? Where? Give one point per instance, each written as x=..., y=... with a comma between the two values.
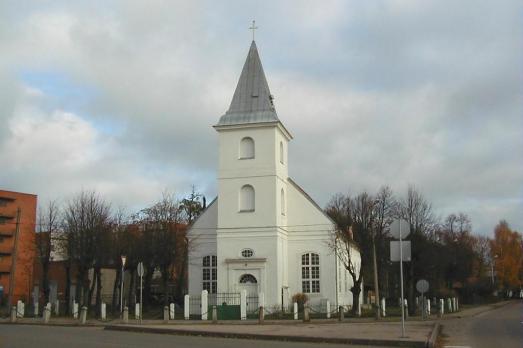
x=121, y=283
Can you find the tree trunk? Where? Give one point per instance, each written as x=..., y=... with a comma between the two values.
x=98, y=275
x=376, y=285
x=45, y=281
x=131, y=299
x=356, y=290
x=91, y=288
x=67, y=287
x=116, y=299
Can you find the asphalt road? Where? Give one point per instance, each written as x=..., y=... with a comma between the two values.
x=29, y=336
x=499, y=328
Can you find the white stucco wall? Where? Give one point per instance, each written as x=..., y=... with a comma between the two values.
x=202, y=242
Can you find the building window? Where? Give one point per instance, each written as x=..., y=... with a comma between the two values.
x=248, y=278
x=247, y=148
x=282, y=202
x=209, y=273
x=247, y=198
x=247, y=253
x=310, y=273
x=281, y=152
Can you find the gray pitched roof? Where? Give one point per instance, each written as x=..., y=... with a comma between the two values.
x=252, y=100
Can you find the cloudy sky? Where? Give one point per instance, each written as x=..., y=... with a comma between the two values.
x=120, y=97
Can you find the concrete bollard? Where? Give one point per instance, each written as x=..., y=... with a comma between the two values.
x=441, y=307
x=383, y=311
x=171, y=311
x=243, y=304
x=75, y=310
x=47, y=315
x=261, y=315
x=103, y=311
x=214, y=314
x=20, y=309
x=306, y=315
x=125, y=315
x=455, y=304
x=428, y=307
x=186, y=303
x=341, y=313
x=449, y=305
x=13, y=315
x=295, y=308
x=83, y=315
x=36, y=309
x=137, y=311
x=328, y=308
x=165, y=314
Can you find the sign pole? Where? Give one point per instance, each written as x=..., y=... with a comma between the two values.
x=401, y=282
x=141, y=301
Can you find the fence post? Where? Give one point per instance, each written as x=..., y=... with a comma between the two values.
x=383, y=311
x=13, y=314
x=243, y=304
x=83, y=315
x=449, y=305
x=47, y=314
x=75, y=310
x=428, y=307
x=166, y=314
x=103, y=311
x=295, y=308
x=205, y=305
x=19, y=309
x=328, y=307
x=125, y=316
x=306, y=317
x=186, y=306
x=137, y=311
x=57, y=308
x=341, y=313
x=36, y=309
x=171, y=311
x=261, y=315
x=214, y=314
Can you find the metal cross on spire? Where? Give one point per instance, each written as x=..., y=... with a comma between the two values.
x=253, y=28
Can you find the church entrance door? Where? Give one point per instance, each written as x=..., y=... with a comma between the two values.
x=248, y=282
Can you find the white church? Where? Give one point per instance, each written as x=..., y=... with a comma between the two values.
x=262, y=233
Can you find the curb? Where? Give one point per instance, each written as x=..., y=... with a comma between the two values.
x=353, y=341
x=436, y=330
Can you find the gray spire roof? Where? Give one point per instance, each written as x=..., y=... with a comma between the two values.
x=252, y=100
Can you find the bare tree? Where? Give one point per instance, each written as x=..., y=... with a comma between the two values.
x=418, y=212
x=48, y=228
x=86, y=225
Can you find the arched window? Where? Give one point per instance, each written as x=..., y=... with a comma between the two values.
x=209, y=274
x=281, y=152
x=246, y=148
x=248, y=278
x=282, y=202
x=247, y=198
x=310, y=273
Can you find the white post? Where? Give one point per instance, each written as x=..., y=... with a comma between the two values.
x=441, y=306
x=295, y=311
x=75, y=310
x=36, y=309
x=359, y=309
x=406, y=306
x=243, y=304
x=328, y=308
x=428, y=306
x=186, y=307
x=454, y=304
x=171, y=311
x=19, y=313
x=261, y=300
x=383, y=311
x=205, y=305
x=57, y=307
x=449, y=305
x=103, y=311
x=137, y=311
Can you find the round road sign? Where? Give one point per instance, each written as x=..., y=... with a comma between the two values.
x=422, y=286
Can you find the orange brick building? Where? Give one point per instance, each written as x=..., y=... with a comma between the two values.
x=17, y=245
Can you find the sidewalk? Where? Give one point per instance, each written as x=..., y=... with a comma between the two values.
x=380, y=334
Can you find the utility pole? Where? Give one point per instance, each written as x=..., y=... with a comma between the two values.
x=14, y=255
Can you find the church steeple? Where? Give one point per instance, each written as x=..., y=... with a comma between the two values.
x=252, y=101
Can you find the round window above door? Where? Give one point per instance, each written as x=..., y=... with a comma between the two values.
x=247, y=253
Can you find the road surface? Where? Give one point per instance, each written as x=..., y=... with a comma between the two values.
x=29, y=336
x=499, y=328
